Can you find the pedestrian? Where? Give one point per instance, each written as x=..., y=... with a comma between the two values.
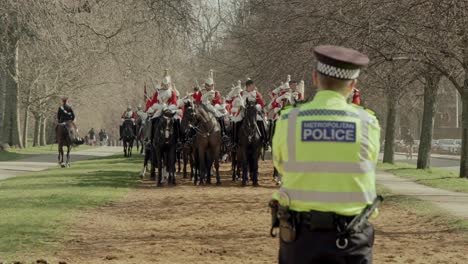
x=326, y=151
x=409, y=142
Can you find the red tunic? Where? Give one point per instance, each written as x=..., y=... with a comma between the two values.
x=215, y=101
x=258, y=97
x=172, y=100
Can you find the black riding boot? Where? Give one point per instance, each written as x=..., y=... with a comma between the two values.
x=120, y=132
x=233, y=131
x=261, y=126
x=222, y=126
x=236, y=133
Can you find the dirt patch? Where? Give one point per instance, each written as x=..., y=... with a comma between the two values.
x=229, y=224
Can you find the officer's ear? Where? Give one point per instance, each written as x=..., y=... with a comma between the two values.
x=351, y=85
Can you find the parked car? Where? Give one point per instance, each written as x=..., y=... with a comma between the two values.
x=447, y=146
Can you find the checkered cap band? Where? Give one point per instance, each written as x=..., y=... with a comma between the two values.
x=339, y=73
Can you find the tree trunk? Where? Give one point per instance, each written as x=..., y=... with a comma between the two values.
x=42, y=136
x=26, y=120
x=390, y=127
x=2, y=103
x=427, y=127
x=464, y=150
x=12, y=131
x=37, y=126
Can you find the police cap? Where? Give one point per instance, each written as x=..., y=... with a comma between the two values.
x=340, y=62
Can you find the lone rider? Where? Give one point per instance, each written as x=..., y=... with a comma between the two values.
x=127, y=115
x=66, y=115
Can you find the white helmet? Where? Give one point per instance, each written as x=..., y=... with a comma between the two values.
x=210, y=79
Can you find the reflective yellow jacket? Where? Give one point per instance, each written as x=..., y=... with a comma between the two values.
x=326, y=151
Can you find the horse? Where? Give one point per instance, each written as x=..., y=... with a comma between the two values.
x=140, y=126
x=128, y=136
x=250, y=143
x=65, y=134
x=146, y=147
x=208, y=142
x=164, y=144
x=188, y=139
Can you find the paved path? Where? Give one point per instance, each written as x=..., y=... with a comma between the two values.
x=448, y=162
x=40, y=162
x=453, y=202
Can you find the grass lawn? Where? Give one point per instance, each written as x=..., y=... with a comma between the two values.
x=425, y=209
x=36, y=209
x=434, y=177
x=15, y=154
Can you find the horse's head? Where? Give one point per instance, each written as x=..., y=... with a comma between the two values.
x=250, y=109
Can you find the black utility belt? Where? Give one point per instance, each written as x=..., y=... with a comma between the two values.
x=315, y=220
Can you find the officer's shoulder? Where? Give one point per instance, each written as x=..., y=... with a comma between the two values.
x=284, y=113
x=367, y=110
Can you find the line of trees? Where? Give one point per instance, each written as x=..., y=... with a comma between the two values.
x=413, y=45
x=101, y=53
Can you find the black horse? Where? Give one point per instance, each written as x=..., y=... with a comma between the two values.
x=207, y=143
x=250, y=143
x=188, y=139
x=140, y=126
x=128, y=136
x=146, y=146
x=164, y=144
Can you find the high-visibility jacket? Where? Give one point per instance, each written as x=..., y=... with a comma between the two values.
x=326, y=151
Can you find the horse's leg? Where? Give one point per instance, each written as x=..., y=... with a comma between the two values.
x=244, y=167
x=201, y=164
x=255, y=167
x=153, y=163
x=184, y=160
x=178, y=161
x=68, y=156
x=233, y=166
x=160, y=166
x=216, y=158
x=60, y=157
x=172, y=163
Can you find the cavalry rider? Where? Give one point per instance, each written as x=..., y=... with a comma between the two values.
x=164, y=98
x=127, y=115
x=250, y=93
x=65, y=115
x=196, y=92
x=212, y=99
x=140, y=113
x=235, y=102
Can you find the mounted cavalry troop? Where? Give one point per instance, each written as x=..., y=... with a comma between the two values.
x=202, y=128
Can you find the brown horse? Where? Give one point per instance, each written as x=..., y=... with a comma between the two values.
x=66, y=134
x=208, y=143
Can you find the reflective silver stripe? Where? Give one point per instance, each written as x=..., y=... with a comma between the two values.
x=328, y=167
x=292, y=122
x=364, y=116
x=329, y=197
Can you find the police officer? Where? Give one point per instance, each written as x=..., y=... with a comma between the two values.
x=326, y=151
